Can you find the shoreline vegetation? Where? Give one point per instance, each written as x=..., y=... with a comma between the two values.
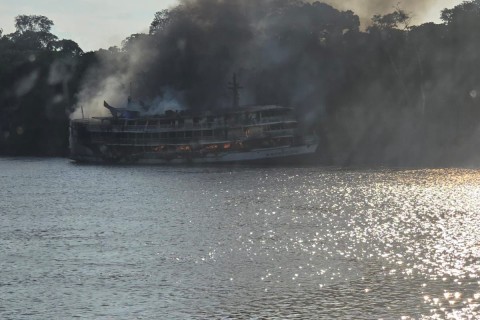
x=394, y=94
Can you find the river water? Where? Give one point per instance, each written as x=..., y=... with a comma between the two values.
x=141, y=242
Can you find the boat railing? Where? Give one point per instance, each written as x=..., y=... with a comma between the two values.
x=281, y=132
x=150, y=128
x=152, y=141
x=96, y=127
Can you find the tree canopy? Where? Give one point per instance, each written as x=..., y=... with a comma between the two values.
x=38, y=81
x=33, y=23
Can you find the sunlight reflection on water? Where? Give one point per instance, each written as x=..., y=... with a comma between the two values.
x=242, y=242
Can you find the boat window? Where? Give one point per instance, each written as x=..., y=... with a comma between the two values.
x=211, y=147
x=167, y=122
x=188, y=134
x=207, y=133
x=197, y=133
x=184, y=148
x=130, y=122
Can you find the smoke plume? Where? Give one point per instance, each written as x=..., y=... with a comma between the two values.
x=273, y=46
x=377, y=96
x=282, y=51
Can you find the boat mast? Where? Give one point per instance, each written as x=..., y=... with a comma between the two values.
x=129, y=99
x=235, y=87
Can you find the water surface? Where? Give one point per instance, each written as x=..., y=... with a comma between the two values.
x=118, y=242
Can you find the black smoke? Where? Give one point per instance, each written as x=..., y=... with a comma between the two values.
x=283, y=52
x=393, y=93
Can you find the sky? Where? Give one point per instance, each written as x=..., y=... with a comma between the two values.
x=95, y=24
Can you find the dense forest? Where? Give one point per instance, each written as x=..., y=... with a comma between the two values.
x=392, y=94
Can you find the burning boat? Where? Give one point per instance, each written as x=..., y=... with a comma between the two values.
x=238, y=134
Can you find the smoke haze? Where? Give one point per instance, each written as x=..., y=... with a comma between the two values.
x=200, y=44
x=376, y=96
x=421, y=11
x=375, y=93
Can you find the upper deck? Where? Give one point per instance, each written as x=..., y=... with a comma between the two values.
x=187, y=120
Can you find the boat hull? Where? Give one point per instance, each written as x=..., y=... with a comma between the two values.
x=258, y=155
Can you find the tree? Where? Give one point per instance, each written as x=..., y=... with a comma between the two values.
x=468, y=11
x=133, y=40
x=34, y=23
x=65, y=46
x=392, y=20
x=32, y=32
x=38, y=82
x=30, y=40
x=160, y=21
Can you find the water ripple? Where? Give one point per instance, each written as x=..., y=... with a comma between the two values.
x=237, y=242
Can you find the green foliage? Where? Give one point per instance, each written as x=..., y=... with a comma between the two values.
x=464, y=13
x=33, y=23
x=38, y=81
x=160, y=21
x=32, y=40
x=69, y=47
x=391, y=20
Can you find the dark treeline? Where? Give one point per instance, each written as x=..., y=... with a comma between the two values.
x=39, y=75
x=393, y=94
